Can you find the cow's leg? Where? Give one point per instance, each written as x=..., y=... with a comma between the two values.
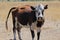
x=14, y=32
x=19, y=30
x=14, y=29
x=30, y=19
x=38, y=33
x=32, y=32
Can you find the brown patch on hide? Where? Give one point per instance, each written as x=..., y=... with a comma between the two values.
x=25, y=8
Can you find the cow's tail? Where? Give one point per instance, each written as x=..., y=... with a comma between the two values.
x=8, y=16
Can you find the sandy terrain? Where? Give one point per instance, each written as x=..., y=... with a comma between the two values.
x=50, y=29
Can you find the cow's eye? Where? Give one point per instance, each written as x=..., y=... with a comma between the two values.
x=38, y=13
x=43, y=12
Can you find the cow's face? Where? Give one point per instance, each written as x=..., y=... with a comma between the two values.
x=40, y=11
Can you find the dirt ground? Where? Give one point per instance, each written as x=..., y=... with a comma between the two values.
x=49, y=31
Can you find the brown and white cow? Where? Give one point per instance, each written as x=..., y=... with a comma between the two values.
x=27, y=15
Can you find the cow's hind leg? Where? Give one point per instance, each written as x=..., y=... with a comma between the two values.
x=19, y=31
x=14, y=29
x=14, y=32
x=15, y=22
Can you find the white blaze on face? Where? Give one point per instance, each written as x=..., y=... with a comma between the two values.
x=42, y=6
x=39, y=9
x=41, y=15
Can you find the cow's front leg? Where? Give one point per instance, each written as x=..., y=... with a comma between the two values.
x=38, y=33
x=32, y=32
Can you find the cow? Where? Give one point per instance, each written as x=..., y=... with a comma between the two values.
x=27, y=15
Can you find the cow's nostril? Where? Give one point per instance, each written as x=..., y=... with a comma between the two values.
x=39, y=18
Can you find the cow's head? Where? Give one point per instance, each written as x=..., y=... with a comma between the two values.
x=40, y=11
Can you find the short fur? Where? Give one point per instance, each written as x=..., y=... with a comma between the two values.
x=25, y=15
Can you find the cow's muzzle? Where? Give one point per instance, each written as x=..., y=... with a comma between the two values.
x=40, y=18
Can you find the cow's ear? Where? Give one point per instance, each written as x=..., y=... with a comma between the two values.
x=46, y=7
x=32, y=8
